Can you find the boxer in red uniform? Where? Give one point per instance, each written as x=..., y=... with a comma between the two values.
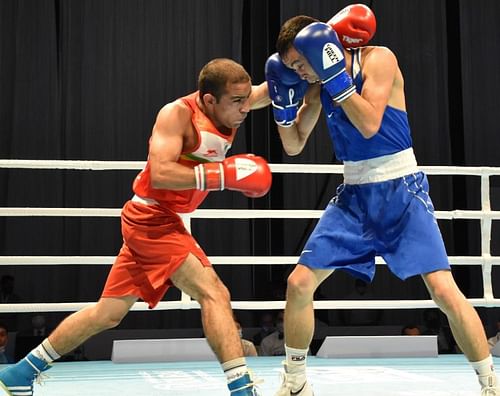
x=186, y=160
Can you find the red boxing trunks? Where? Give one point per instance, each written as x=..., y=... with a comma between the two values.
x=155, y=244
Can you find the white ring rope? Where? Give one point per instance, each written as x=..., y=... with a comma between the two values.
x=485, y=215
x=275, y=168
x=226, y=213
x=219, y=260
x=243, y=305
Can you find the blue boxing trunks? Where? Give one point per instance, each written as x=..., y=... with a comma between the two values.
x=393, y=219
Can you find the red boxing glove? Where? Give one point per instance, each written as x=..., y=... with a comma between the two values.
x=246, y=173
x=355, y=25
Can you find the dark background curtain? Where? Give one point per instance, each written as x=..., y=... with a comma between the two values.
x=85, y=80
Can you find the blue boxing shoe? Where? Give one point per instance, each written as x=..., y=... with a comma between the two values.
x=243, y=386
x=18, y=379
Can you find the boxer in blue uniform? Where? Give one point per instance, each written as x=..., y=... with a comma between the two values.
x=383, y=206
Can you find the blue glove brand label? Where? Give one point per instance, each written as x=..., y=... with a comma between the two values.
x=274, y=87
x=331, y=55
x=291, y=94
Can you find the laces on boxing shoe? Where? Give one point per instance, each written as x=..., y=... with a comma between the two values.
x=489, y=386
x=41, y=378
x=246, y=385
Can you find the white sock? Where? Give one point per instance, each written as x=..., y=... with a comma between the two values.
x=296, y=367
x=296, y=358
x=46, y=352
x=485, y=371
x=235, y=369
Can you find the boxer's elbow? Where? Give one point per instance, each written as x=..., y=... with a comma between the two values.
x=293, y=148
x=369, y=129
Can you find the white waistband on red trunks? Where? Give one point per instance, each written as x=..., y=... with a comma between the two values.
x=145, y=201
x=150, y=202
x=380, y=169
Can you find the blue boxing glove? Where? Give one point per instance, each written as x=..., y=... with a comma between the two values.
x=286, y=90
x=320, y=45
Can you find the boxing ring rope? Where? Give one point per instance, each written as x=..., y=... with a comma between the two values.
x=485, y=215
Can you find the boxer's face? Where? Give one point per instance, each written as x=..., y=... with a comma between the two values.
x=233, y=106
x=297, y=62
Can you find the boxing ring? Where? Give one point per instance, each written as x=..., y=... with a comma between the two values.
x=445, y=375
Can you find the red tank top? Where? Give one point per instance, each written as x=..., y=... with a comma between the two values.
x=212, y=147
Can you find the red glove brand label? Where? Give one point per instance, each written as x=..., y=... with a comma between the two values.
x=331, y=55
x=351, y=40
x=244, y=167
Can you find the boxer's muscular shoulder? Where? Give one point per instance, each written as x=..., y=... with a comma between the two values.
x=175, y=118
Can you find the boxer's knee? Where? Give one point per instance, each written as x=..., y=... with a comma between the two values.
x=107, y=315
x=213, y=291
x=301, y=286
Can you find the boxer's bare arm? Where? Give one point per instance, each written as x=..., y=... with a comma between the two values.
x=172, y=126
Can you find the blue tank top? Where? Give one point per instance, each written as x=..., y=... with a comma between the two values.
x=392, y=137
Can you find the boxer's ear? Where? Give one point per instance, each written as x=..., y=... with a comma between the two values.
x=209, y=99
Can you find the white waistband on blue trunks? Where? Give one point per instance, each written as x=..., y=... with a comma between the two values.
x=380, y=169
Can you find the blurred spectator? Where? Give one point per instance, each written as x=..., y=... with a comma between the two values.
x=492, y=341
x=4, y=339
x=30, y=335
x=360, y=317
x=266, y=324
x=39, y=326
x=410, y=330
x=248, y=346
x=7, y=293
x=274, y=343
x=433, y=326
x=7, y=296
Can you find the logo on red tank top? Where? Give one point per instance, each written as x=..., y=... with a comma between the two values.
x=210, y=153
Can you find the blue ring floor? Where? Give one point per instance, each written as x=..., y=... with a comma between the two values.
x=440, y=376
